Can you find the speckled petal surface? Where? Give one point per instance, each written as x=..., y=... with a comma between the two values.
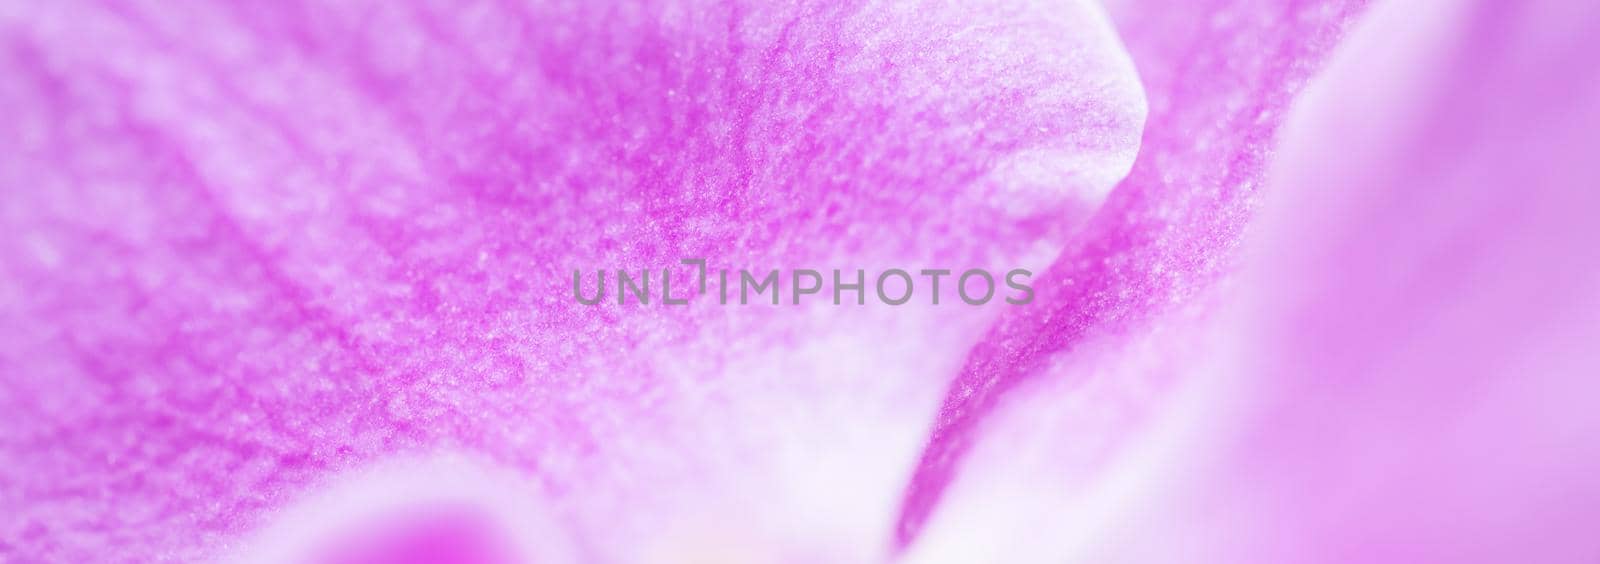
x=1220, y=77
x=1394, y=363
x=258, y=250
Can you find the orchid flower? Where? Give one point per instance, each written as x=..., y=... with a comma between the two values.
x=294, y=281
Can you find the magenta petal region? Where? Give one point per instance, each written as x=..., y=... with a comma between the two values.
x=254, y=247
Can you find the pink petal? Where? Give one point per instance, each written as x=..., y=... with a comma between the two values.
x=1220, y=76
x=1426, y=303
x=259, y=245
x=1403, y=371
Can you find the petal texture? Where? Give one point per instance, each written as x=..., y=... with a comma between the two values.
x=1220, y=76
x=259, y=245
x=1400, y=372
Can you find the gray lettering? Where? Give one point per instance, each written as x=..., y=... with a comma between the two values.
x=934, y=274
x=904, y=276
x=860, y=287
x=1026, y=288
x=746, y=281
x=666, y=290
x=816, y=278
x=640, y=292
x=599, y=287
x=988, y=280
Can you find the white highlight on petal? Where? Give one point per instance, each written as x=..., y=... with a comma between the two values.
x=371, y=505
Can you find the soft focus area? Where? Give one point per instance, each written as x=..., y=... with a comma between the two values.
x=292, y=281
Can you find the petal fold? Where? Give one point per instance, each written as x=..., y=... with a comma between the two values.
x=255, y=245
